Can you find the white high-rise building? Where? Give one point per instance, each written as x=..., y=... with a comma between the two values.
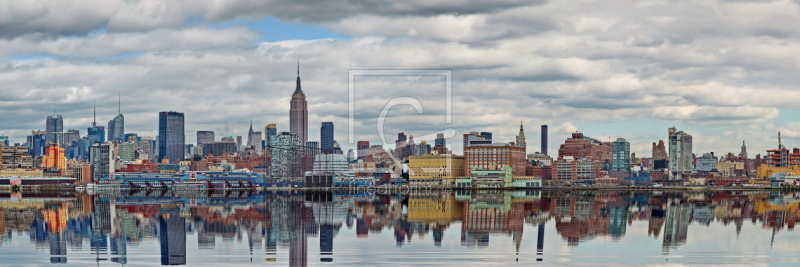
x=680, y=154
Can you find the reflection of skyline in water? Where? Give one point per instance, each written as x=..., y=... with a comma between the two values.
x=269, y=224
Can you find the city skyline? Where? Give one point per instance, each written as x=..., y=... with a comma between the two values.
x=630, y=73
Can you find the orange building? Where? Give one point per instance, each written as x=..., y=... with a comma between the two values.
x=54, y=157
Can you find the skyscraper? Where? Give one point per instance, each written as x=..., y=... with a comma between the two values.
x=544, y=139
x=36, y=143
x=54, y=129
x=680, y=154
x=254, y=139
x=116, y=126
x=326, y=137
x=270, y=132
x=521, y=136
x=100, y=156
x=171, y=138
x=298, y=112
x=620, y=155
x=96, y=134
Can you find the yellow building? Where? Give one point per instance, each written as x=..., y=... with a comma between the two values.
x=764, y=171
x=728, y=168
x=428, y=209
x=435, y=169
x=22, y=172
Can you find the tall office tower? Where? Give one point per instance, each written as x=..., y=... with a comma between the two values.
x=36, y=142
x=205, y=137
x=116, y=126
x=96, y=134
x=254, y=139
x=101, y=157
x=361, y=149
x=680, y=154
x=3, y=140
x=286, y=157
x=620, y=155
x=350, y=155
x=544, y=139
x=172, y=236
x=171, y=138
x=298, y=112
x=270, y=132
x=326, y=137
x=70, y=136
x=54, y=129
x=521, y=136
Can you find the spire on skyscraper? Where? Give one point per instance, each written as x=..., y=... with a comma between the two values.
x=297, y=89
x=119, y=103
x=521, y=136
x=94, y=116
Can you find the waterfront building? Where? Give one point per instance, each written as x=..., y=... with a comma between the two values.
x=298, y=112
x=330, y=163
x=326, y=137
x=286, y=157
x=569, y=169
x=620, y=155
x=680, y=154
x=491, y=177
x=171, y=138
x=435, y=169
x=482, y=153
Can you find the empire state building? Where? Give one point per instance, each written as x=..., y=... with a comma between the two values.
x=298, y=113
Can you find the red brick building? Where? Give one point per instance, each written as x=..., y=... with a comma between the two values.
x=484, y=155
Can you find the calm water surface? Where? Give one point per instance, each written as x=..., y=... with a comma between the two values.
x=463, y=228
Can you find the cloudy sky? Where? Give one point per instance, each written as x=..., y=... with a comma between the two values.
x=725, y=71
